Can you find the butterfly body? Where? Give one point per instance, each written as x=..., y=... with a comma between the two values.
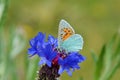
x=67, y=39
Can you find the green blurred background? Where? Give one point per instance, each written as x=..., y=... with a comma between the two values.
x=96, y=20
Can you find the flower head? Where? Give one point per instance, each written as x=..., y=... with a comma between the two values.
x=53, y=60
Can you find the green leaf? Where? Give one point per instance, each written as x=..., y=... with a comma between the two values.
x=4, y=8
x=5, y=4
x=109, y=54
x=95, y=58
x=99, y=64
x=32, y=69
x=117, y=52
x=108, y=58
x=113, y=70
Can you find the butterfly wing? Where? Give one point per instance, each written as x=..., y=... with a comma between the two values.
x=67, y=39
x=73, y=43
x=64, y=32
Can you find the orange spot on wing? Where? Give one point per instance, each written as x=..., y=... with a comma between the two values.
x=66, y=36
x=68, y=32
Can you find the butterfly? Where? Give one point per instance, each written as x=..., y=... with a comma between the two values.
x=67, y=39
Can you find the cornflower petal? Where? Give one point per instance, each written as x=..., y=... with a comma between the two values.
x=42, y=61
x=48, y=54
x=52, y=41
x=36, y=43
x=70, y=63
x=61, y=70
x=69, y=72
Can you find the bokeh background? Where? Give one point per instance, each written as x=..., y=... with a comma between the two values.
x=96, y=20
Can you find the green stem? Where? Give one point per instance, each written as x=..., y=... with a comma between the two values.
x=2, y=22
x=3, y=18
x=2, y=41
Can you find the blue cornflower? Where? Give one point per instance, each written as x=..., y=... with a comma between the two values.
x=53, y=60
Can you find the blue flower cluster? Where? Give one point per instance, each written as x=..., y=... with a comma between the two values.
x=51, y=56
